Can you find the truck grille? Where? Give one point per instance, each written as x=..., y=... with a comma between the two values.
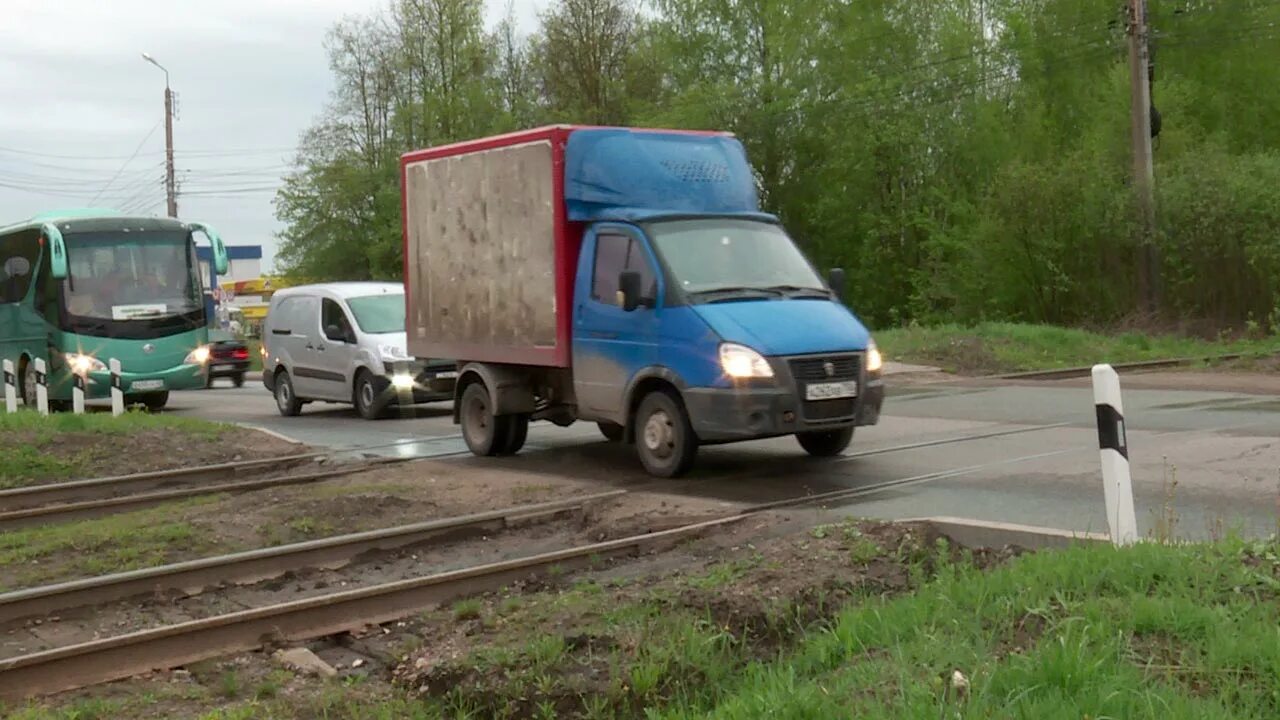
x=843, y=367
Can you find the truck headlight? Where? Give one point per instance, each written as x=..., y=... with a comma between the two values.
x=875, y=360
x=82, y=364
x=392, y=352
x=740, y=361
x=199, y=356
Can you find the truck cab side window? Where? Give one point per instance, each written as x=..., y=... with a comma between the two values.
x=615, y=253
x=332, y=318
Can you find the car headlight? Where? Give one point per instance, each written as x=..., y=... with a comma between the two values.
x=739, y=361
x=199, y=356
x=392, y=352
x=82, y=364
x=875, y=360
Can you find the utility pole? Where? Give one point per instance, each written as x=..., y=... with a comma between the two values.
x=170, y=185
x=1143, y=170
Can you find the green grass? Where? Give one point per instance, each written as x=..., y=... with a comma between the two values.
x=44, y=448
x=1152, y=631
x=1010, y=347
x=94, y=547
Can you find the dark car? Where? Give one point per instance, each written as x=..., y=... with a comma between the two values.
x=228, y=357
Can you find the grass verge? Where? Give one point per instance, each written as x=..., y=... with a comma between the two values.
x=61, y=446
x=990, y=348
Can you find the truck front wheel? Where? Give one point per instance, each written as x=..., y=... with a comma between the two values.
x=826, y=444
x=665, y=440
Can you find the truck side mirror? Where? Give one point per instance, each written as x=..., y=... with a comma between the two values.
x=57, y=251
x=835, y=280
x=629, y=290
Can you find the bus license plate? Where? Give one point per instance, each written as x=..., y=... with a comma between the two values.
x=147, y=385
x=831, y=390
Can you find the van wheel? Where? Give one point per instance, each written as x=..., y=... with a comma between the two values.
x=826, y=444
x=486, y=434
x=369, y=400
x=665, y=440
x=613, y=432
x=287, y=401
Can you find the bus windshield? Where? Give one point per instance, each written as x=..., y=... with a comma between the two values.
x=127, y=276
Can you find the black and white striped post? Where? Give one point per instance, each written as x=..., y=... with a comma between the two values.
x=78, y=381
x=42, y=386
x=117, y=389
x=1114, y=448
x=10, y=388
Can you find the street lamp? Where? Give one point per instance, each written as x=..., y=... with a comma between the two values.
x=170, y=187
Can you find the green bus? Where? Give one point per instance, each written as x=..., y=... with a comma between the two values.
x=80, y=287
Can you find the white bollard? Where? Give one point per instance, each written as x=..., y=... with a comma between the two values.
x=77, y=393
x=42, y=387
x=1114, y=448
x=117, y=391
x=10, y=388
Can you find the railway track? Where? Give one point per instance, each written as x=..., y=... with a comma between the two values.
x=122, y=656
x=80, y=499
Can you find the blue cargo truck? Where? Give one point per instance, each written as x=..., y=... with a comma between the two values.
x=628, y=278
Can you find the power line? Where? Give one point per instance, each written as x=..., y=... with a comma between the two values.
x=126, y=163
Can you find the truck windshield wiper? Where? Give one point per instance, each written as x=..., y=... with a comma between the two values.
x=797, y=291
x=722, y=294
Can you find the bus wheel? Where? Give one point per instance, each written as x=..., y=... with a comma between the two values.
x=154, y=402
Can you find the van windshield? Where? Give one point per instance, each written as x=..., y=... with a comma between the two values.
x=720, y=257
x=378, y=314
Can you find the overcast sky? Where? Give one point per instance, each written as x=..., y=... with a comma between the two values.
x=79, y=102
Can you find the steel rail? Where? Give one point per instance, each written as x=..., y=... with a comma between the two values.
x=127, y=655
x=193, y=576
x=50, y=514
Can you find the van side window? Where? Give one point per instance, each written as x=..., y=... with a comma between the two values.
x=19, y=254
x=332, y=317
x=615, y=253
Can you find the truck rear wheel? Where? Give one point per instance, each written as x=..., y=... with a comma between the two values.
x=517, y=433
x=826, y=444
x=665, y=440
x=486, y=434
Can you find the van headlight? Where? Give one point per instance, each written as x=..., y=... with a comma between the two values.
x=740, y=361
x=199, y=356
x=875, y=360
x=393, y=352
x=82, y=364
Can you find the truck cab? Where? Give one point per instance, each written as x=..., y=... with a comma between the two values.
x=692, y=317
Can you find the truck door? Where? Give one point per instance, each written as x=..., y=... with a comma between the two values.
x=610, y=344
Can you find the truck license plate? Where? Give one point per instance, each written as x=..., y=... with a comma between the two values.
x=831, y=390
x=446, y=375
x=147, y=385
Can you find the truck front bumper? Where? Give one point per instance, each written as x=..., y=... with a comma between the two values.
x=734, y=414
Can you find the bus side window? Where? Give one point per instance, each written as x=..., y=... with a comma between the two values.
x=18, y=256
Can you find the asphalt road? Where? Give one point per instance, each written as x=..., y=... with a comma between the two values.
x=1208, y=459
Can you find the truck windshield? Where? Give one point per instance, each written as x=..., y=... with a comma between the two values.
x=378, y=314
x=719, y=257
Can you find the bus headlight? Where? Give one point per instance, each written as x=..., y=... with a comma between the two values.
x=875, y=360
x=199, y=356
x=740, y=361
x=82, y=364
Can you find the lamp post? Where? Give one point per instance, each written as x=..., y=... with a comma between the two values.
x=170, y=186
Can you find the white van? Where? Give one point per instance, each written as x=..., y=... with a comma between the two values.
x=345, y=342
